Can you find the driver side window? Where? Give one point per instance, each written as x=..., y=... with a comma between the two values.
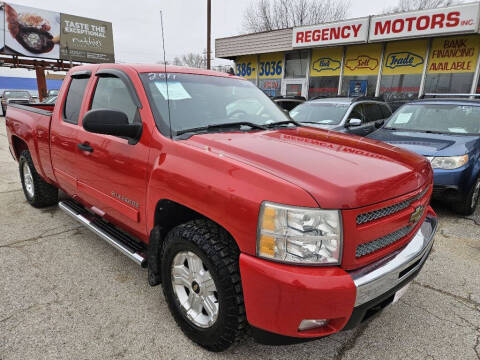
x=357, y=113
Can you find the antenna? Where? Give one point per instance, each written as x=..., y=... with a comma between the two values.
x=166, y=75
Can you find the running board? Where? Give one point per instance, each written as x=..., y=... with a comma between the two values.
x=107, y=232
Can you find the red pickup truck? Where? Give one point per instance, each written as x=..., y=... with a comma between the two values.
x=248, y=219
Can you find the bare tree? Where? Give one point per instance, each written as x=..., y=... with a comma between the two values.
x=266, y=15
x=412, y=5
x=191, y=60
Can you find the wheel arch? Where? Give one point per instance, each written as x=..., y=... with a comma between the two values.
x=18, y=145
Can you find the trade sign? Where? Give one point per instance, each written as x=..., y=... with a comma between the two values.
x=326, y=62
x=454, y=54
x=404, y=57
x=270, y=66
x=453, y=20
x=345, y=32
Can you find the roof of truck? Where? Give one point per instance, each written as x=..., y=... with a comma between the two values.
x=147, y=68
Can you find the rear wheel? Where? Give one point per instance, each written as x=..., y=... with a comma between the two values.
x=37, y=191
x=201, y=283
x=468, y=204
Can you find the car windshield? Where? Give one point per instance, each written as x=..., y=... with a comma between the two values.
x=16, y=94
x=437, y=118
x=200, y=101
x=319, y=113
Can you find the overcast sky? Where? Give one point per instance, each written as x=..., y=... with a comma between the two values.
x=136, y=24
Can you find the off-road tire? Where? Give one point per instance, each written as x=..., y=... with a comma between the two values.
x=464, y=205
x=44, y=194
x=218, y=251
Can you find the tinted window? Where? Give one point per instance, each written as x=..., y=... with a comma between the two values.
x=385, y=111
x=321, y=113
x=111, y=93
x=372, y=112
x=357, y=113
x=74, y=99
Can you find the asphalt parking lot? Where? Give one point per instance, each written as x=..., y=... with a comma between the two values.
x=65, y=294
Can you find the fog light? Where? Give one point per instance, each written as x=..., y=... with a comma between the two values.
x=312, y=324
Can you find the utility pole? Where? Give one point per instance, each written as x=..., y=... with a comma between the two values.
x=209, y=30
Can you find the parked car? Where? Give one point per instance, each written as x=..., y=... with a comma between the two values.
x=288, y=102
x=352, y=115
x=15, y=97
x=246, y=217
x=447, y=132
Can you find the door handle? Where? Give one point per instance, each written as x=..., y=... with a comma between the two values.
x=85, y=147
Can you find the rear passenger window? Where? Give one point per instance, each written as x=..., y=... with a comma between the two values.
x=372, y=112
x=111, y=93
x=74, y=99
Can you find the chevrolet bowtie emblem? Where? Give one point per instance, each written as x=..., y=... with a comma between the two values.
x=417, y=214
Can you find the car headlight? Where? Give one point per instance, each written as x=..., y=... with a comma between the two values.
x=448, y=162
x=299, y=235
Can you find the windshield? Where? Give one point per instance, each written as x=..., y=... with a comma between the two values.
x=319, y=113
x=201, y=101
x=438, y=118
x=16, y=94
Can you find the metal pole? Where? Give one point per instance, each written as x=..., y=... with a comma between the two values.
x=209, y=30
x=380, y=71
x=425, y=68
x=473, y=89
x=340, y=77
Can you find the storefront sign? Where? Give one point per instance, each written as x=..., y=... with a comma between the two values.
x=326, y=62
x=270, y=66
x=456, y=19
x=362, y=60
x=86, y=40
x=246, y=66
x=454, y=54
x=345, y=32
x=404, y=57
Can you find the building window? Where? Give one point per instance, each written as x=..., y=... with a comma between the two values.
x=271, y=87
x=360, y=72
x=296, y=64
x=452, y=64
x=323, y=86
x=400, y=87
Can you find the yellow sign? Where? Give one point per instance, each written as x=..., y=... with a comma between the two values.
x=456, y=54
x=326, y=61
x=270, y=66
x=246, y=66
x=404, y=57
x=362, y=60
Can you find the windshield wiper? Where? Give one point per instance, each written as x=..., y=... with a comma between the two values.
x=285, y=122
x=221, y=126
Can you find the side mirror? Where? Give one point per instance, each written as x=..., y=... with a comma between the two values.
x=111, y=122
x=354, y=122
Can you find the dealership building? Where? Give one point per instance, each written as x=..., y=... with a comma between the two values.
x=397, y=56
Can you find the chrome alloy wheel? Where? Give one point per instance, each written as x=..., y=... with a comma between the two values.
x=28, y=180
x=476, y=193
x=195, y=289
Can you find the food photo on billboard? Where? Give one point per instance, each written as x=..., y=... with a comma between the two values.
x=32, y=32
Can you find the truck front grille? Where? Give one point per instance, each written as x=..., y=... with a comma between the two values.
x=389, y=210
x=384, y=241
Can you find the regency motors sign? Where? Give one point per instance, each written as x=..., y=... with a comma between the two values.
x=345, y=32
x=451, y=20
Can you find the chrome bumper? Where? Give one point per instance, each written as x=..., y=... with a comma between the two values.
x=376, y=279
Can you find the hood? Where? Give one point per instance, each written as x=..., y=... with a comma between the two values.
x=340, y=171
x=427, y=144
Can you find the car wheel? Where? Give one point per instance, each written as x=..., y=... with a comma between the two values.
x=469, y=203
x=201, y=283
x=37, y=191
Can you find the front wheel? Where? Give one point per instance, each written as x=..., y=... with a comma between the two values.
x=201, y=283
x=468, y=204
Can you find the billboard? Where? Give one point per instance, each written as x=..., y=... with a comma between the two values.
x=86, y=40
x=47, y=34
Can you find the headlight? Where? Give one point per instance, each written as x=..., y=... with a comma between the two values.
x=299, y=235
x=448, y=162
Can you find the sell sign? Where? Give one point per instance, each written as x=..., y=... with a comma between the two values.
x=345, y=32
x=450, y=20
